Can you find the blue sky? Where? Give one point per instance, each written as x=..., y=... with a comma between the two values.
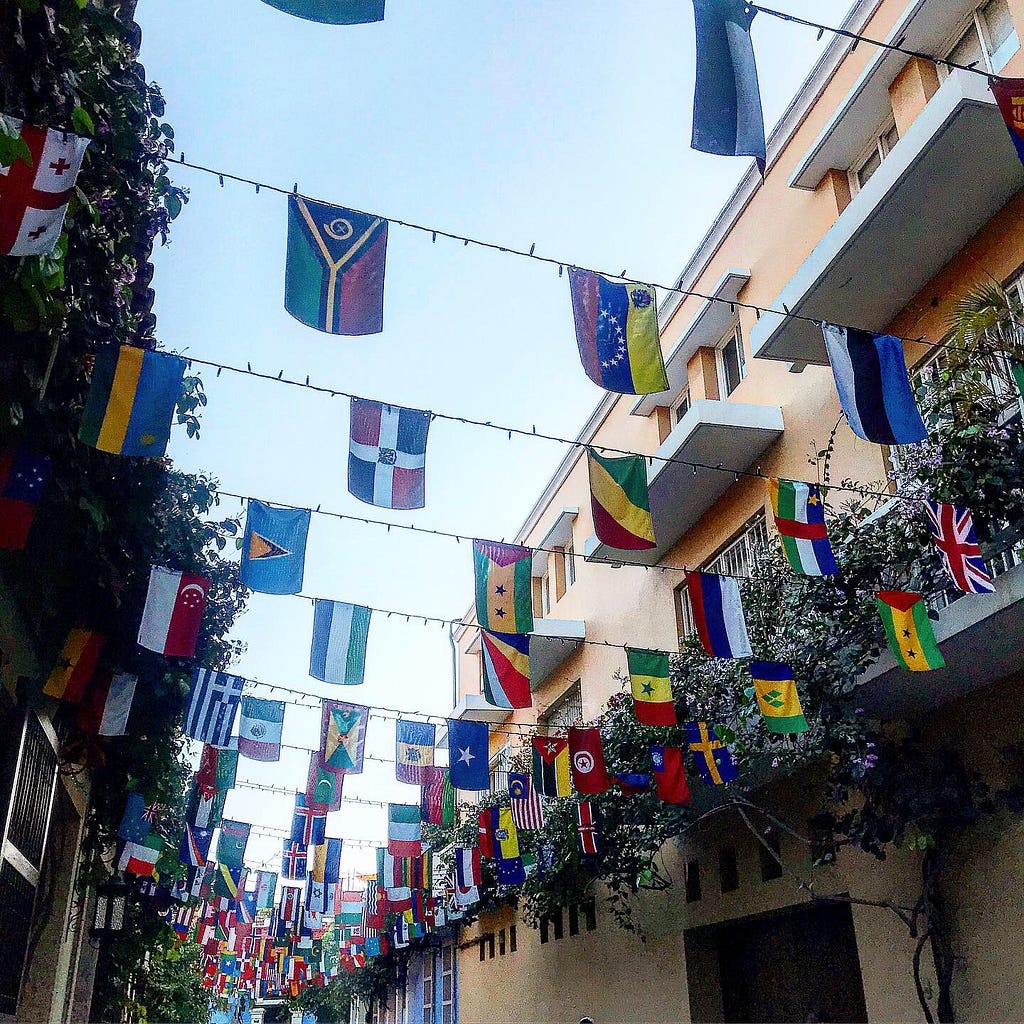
x=562, y=124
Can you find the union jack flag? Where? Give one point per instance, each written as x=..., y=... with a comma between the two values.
x=953, y=531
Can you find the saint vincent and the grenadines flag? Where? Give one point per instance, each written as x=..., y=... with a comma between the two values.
x=333, y=12
x=777, y=698
x=909, y=630
x=620, y=501
x=274, y=548
x=504, y=582
x=800, y=519
x=506, y=669
x=652, y=691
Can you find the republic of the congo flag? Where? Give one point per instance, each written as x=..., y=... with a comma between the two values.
x=800, y=519
x=909, y=630
x=777, y=697
x=504, y=596
x=333, y=12
x=131, y=401
x=334, y=278
x=620, y=501
x=652, y=692
x=506, y=670
x=617, y=333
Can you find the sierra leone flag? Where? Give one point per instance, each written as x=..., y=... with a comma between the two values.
x=333, y=12
x=800, y=519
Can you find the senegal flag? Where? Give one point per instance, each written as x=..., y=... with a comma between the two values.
x=333, y=12
x=909, y=630
x=620, y=502
x=652, y=693
x=504, y=599
x=777, y=697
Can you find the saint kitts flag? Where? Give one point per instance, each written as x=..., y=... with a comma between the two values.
x=387, y=454
x=173, y=614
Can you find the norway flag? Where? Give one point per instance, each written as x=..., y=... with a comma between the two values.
x=387, y=454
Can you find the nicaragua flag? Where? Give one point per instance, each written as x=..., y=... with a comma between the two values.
x=718, y=614
x=387, y=454
x=274, y=548
x=338, y=652
x=873, y=385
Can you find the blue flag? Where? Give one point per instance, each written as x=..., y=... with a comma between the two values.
x=510, y=871
x=274, y=548
x=332, y=862
x=134, y=826
x=467, y=755
x=333, y=12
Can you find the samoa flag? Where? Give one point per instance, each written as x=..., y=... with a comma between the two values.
x=387, y=454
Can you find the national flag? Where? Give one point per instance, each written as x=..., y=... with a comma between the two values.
x=506, y=669
x=205, y=809
x=632, y=783
x=323, y=786
x=226, y=770
x=334, y=277
x=173, y=614
x=227, y=881
x=23, y=476
x=132, y=399
x=393, y=876
x=404, y=830
x=316, y=901
x=333, y=12
x=617, y=333
x=274, y=548
x=140, y=858
x=259, y=729
x=467, y=866
x=375, y=904
x=651, y=688
x=503, y=575
x=468, y=754
x=800, y=519
x=266, y=889
x=909, y=630
x=212, y=705
x=338, y=651
x=551, y=766
x=107, y=703
x=75, y=665
x=351, y=907
x=505, y=836
x=952, y=529
x=34, y=192
x=194, y=850
x=293, y=860
x=289, y=908
x=231, y=843
x=437, y=797
x=1009, y=97
x=421, y=871
x=589, y=833
x=586, y=760
x=527, y=812
x=714, y=762
x=873, y=385
x=727, y=115
x=135, y=826
x=510, y=871
x=670, y=774
x=620, y=501
x=308, y=826
x=343, y=735
x=206, y=773
x=777, y=697
x=387, y=454
x=718, y=614
x=332, y=861
x=414, y=750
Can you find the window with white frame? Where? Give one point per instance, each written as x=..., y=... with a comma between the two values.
x=569, y=554
x=732, y=362
x=500, y=766
x=871, y=159
x=987, y=41
x=428, y=985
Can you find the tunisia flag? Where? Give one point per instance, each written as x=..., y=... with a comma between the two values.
x=586, y=761
x=174, y=612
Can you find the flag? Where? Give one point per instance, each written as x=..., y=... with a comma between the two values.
x=289, y=907
x=34, y=193
x=259, y=729
x=510, y=872
x=670, y=774
x=75, y=665
x=323, y=786
x=293, y=860
x=351, y=907
x=617, y=333
x=421, y=871
x=135, y=826
x=205, y=809
x=212, y=705
x=308, y=826
x=589, y=834
x=652, y=691
x=714, y=762
x=503, y=835
x=468, y=754
x=527, y=811
x=23, y=476
x=333, y=12
x=586, y=760
x=226, y=769
x=873, y=385
x=334, y=277
x=194, y=850
x=343, y=736
x=952, y=529
x=338, y=652
x=718, y=614
x=620, y=501
x=504, y=594
x=227, y=881
x=467, y=866
x=777, y=697
x=551, y=766
x=266, y=888
x=140, y=858
x=414, y=750
x=316, y=901
x=632, y=783
x=727, y=116
x=800, y=519
x=375, y=902
x=404, y=830
x=174, y=612
x=437, y=797
x=132, y=398
x=107, y=703
x=506, y=669
x=387, y=454
x=1009, y=96
x=332, y=861
x=909, y=630
x=274, y=548
x=231, y=843
x=393, y=877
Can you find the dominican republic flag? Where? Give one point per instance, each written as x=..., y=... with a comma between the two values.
x=173, y=614
x=873, y=385
x=718, y=614
x=22, y=479
x=308, y=826
x=953, y=532
x=467, y=866
x=212, y=705
x=387, y=454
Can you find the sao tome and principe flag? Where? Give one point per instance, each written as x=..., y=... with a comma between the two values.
x=343, y=736
x=338, y=651
x=75, y=665
x=652, y=691
x=909, y=630
x=387, y=454
x=620, y=501
x=173, y=614
x=718, y=614
x=506, y=669
x=800, y=519
x=551, y=766
x=777, y=698
x=259, y=729
x=333, y=12
x=274, y=548
x=414, y=750
x=504, y=596
x=23, y=476
x=952, y=529
x=670, y=774
x=714, y=761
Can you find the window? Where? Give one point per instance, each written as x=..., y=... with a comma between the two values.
x=447, y=985
x=501, y=942
x=483, y=947
x=685, y=626
x=565, y=711
x=732, y=363
x=574, y=920
x=541, y=596
x=500, y=766
x=556, y=921
x=551, y=926
x=737, y=557
x=544, y=934
x=569, y=554
x=428, y=985
x=728, y=872
x=693, y=893
x=681, y=408
x=987, y=41
x=490, y=945
x=511, y=938
x=881, y=146
x=770, y=863
x=590, y=915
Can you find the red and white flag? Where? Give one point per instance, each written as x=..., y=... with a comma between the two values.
x=586, y=760
x=590, y=836
x=34, y=195
x=173, y=613
x=107, y=704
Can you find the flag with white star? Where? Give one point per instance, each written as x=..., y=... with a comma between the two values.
x=467, y=755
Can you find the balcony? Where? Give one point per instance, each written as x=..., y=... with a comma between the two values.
x=951, y=172
x=473, y=708
x=714, y=433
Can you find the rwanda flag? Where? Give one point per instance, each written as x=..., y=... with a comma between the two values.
x=800, y=520
x=777, y=697
x=504, y=596
x=274, y=548
x=652, y=692
x=334, y=277
x=333, y=12
x=506, y=669
x=620, y=502
x=909, y=630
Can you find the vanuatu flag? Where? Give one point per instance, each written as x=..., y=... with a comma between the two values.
x=777, y=697
x=504, y=598
x=131, y=401
x=334, y=278
x=620, y=502
x=617, y=333
x=909, y=630
x=800, y=520
x=506, y=669
x=333, y=12
x=551, y=766
x=652, y=692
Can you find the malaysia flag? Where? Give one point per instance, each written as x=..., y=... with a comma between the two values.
x=387, y=454
x=174, y=612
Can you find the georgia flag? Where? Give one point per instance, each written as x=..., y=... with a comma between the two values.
x=174, y=612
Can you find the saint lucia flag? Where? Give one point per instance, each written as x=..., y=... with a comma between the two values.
x=333, y=12
x=334, y=278
x=274, y=548
x=338, y=653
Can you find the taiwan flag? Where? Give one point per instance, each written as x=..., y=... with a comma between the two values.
x=387, y=454
x=173, y=614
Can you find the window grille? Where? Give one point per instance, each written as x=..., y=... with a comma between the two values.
x=565, y=711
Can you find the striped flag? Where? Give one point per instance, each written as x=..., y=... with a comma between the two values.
x=259, y=729
x=651, y=687
x=404, y=830
x=589, y=834
x=800, y=519
x=620, y=501
x=75, y=665
x=718, y=614
x=338, y=652
x=527, y=811
x=107, y=704
x=437, y=797
x=909, y=630
x=468, y=870
x=212, y=705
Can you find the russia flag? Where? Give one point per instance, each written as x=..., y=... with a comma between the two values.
x=718, y=615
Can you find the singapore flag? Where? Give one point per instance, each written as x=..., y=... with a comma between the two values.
x=174, y=612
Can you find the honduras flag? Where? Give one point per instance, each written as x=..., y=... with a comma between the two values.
x=274, y=548
x=718, y=614
x=387, y=454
